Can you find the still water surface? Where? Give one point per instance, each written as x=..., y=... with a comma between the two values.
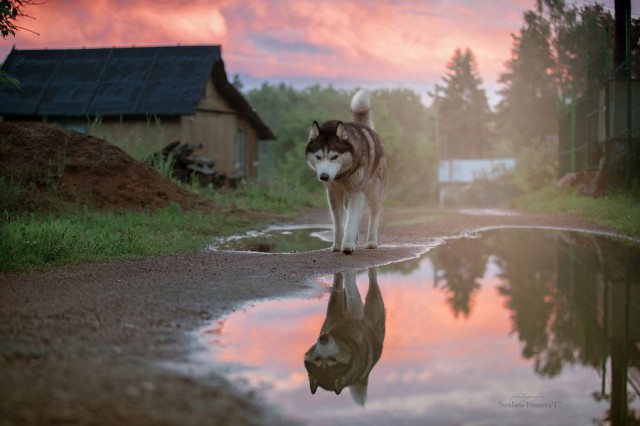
x=513, y=327
x=279, y=239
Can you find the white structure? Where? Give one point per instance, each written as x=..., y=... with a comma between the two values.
x=454, y=175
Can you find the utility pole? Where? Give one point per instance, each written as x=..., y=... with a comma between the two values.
x=436, y=105
x=623, y=9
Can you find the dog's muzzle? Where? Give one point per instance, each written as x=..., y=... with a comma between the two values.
x=324, y=177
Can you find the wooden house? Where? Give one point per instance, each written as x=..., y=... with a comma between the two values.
x=149, y=96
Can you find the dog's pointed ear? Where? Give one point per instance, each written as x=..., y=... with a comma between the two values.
x=341, y=132
x=315, y=130
x=313, y=385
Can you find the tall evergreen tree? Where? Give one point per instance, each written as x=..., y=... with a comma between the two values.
x=464, y=110
x=559, y=47
x=527, y=111
x=580, y=46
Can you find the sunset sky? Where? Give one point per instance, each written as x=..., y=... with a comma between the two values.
x=347, y=43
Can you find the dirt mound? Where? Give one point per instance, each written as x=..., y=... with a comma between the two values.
x=44, y=160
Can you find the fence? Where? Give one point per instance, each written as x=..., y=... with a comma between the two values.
x=600, y=129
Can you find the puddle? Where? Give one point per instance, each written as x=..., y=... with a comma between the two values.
x=513, y=327
x=279, y=239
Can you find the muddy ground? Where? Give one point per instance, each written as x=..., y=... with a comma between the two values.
x=92, y=344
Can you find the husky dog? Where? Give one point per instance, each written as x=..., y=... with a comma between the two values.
x=349, y=159
x=350, y=341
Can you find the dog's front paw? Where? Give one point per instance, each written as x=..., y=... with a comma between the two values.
x=348, y=248
x=371, y=245
x=336, y=248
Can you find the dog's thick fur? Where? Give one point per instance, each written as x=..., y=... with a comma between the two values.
x=349, y=158
x=351, y=338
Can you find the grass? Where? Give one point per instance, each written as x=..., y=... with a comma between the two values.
x=620, y=212
x=33, y=241
x=37, y=240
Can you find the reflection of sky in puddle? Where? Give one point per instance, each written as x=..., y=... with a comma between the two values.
x=474, y=329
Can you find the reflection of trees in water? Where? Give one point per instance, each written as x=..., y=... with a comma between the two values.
x=549, y=283
x=550, y=288
x=569, y=297
x=458, y=267
x=528, y=273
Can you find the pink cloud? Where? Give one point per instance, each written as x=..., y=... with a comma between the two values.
x=78, y=23
x=378, y=43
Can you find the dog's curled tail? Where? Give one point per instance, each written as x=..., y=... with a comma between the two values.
x=361, y=108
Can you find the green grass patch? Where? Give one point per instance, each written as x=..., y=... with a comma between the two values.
x=619, y=212
x=271, y=198
x=33, y=241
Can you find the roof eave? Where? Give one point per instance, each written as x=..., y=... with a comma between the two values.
x=238, y=102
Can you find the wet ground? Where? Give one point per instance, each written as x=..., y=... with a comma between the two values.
x=113, y=343
x=278, y=239
x=509, y=326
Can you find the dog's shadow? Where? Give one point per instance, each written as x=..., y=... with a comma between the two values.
x=351, y=338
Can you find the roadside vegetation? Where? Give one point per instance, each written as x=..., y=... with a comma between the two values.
x=620, y=212
x=77, y=234
x=40, y=227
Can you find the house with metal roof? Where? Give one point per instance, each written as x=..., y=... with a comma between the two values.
x=150, y=96
x=456, y=177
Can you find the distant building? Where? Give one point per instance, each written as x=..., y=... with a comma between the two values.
x=155, y=94
x=455, y=178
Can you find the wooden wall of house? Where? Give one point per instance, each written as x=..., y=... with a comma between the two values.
x=216, y=132
x=138, y=136
x=251, y=149
x=219, y=128
x=215, y=125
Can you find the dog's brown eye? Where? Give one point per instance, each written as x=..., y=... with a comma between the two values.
x=334, y=157
x=318, y=157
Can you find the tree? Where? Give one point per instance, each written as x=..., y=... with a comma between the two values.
x=558, y=49
x=464, y=110
x=528, y=109
x=399, y=118
x=10, y=12
x=579, y=45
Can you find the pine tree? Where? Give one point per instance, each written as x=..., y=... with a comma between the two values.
x=464, y=110
x=550, y=55
x=528, y=110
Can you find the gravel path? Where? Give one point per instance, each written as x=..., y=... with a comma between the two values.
x=90, y=344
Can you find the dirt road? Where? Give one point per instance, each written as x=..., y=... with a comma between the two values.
x=90, y=344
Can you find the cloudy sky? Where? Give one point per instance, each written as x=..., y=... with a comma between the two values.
x=347, y=43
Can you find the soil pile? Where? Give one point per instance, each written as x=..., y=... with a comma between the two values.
x=40, y=161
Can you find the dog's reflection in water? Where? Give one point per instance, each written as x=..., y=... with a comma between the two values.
x=350, y=341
